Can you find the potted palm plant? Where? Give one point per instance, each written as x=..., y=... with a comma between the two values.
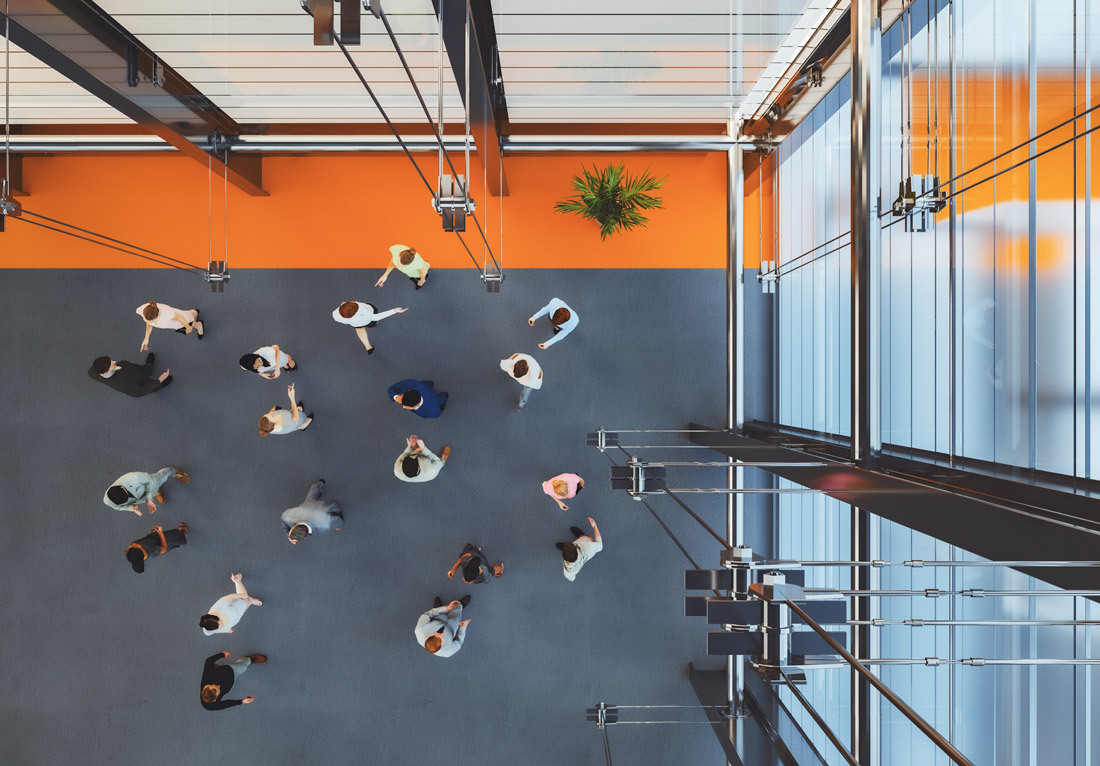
x=612, y=198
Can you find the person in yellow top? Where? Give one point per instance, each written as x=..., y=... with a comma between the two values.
x=409, y=262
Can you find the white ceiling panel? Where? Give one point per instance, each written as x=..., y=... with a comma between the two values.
x=587, y=61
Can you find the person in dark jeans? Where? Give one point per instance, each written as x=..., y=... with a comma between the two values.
x=155, y=544
x=217, y=680
x=128, y=378
x=476, y=568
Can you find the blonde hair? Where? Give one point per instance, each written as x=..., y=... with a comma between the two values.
x=151, y=311
x=407, y=256
x=267, y=425
x=561, y=487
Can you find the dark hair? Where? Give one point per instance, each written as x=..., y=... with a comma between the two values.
x=472, y=570
x=136, y=559
x=410, y=466
x=299, y=532
x=520, y=368
x=411, y=398
x=560, y=316
x=209, y=622
x=101, y=364
x=569, y=552
x=580, y=486
x=248, y=360
x=210, y=693
x=407, y=256
x=348, y=308
x=150, y=312
x=433, y=643
x=118, y=495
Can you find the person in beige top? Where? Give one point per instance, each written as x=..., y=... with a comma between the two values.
x=164, y=317
x=409, y=262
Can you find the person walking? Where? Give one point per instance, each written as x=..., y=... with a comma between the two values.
x=409, y=262
x=278, y=421
x=562, y=487
x=313, y=516
x=361, y=315
x=582, y=548
x=164, y=317
x=526, y=371
x=475, y=565
x=562, y=318
x=418, y=463
x=218, y=680
x=134, y=380
x=441, y=630
x=228, y=610
x=156, y=543
x=419, y=396
x=130, y=490
x=268, y=362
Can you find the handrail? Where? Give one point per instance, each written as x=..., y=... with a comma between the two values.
x=926, y=728
x=828, y=732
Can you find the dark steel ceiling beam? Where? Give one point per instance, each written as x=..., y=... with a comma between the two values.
x=81, y=41
x=485, y=101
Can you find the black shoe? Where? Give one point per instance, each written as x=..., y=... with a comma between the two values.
x=559, y=546
x=309, y=416
x=577, y=532
x=182, y=331
x=437, y=603
x=465, y=601
x=370, y=350
x=166, y=381
x=320, y=481
x=150, y=358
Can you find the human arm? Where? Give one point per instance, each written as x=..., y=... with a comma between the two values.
x=382, y=279
x=424, y=273
x=386, y=314
x=541, y=313
x=595, y=530
x=238, y=581
x=293, y=400
x=461, y=560
x=223, y=704
x=160, y=535
x=460, y=635
x=145, y=340
x=423, y=450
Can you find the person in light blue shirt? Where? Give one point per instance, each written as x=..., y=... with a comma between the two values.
x=441, y=630
x=313, y=517
x=562, y=318
x=130, y=490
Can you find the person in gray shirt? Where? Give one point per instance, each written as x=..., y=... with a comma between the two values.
x=441, y=630
x=418, y=463
x=313, y=516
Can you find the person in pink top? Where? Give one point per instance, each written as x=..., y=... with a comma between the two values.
x=562, y=487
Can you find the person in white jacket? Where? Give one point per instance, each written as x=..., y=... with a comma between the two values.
x=361, y=315
x=576, y=553
x=524, y=370
x=562, y=318
x=441, y=630
x=228, y=610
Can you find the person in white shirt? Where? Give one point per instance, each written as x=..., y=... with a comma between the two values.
x=268, y=362
x=409, y=262
x=228, y=610
x=562, y=318
x=574, y=554
x=278, y=421
x=526, y=371
x=418, y=463
x=441, y=630
x=361, y=315
x=164, y=317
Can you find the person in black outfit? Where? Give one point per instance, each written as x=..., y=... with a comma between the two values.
x=153, y=544
x=217, y=680
x=128, y=378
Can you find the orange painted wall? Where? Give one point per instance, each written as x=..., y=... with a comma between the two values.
x=344, y=211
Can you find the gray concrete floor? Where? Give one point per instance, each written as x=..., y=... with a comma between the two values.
x=101, y=666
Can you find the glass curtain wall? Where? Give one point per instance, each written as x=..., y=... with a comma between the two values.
x=996, y=715
x=988, y=334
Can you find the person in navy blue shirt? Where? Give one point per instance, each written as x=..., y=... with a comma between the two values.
x=419, y=396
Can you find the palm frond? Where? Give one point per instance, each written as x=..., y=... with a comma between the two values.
x=612, y=197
